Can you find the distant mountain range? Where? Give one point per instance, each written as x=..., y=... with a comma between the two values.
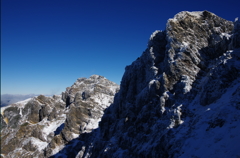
x=7, y=99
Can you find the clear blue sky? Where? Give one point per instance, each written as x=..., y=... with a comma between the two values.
x=47, y=44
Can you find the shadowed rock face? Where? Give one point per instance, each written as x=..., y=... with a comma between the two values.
x=41, y=126
x=180, y=98
x=182, y=89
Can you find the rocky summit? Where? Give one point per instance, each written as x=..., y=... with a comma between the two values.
x=42, y=126
x=180, y=98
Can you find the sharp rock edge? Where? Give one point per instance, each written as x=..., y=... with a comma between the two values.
x=42, y=126
x=180, y=98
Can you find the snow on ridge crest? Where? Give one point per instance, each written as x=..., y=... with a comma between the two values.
x=158, y=110
x=154, y=34
x=183, y=14
x=40, y=125
x=152, y=109
x=195, y=14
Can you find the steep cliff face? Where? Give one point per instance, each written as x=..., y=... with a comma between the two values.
x=180, y=98
x=41, y=126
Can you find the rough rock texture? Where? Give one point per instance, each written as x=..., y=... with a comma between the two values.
x=180, y=98
x=41, y=126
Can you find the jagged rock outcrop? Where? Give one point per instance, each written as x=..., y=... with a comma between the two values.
x=41, y=126
x=180, y=98
x=85, y=100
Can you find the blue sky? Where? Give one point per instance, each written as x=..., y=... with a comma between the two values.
x=47, y=44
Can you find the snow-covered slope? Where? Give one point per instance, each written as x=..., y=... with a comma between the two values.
x=180, y=98
x=41, y=126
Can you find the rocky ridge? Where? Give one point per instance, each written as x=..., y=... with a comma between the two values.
x=180, y=98
x=41, y=126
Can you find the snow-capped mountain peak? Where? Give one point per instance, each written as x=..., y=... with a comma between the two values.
x=180, y=98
